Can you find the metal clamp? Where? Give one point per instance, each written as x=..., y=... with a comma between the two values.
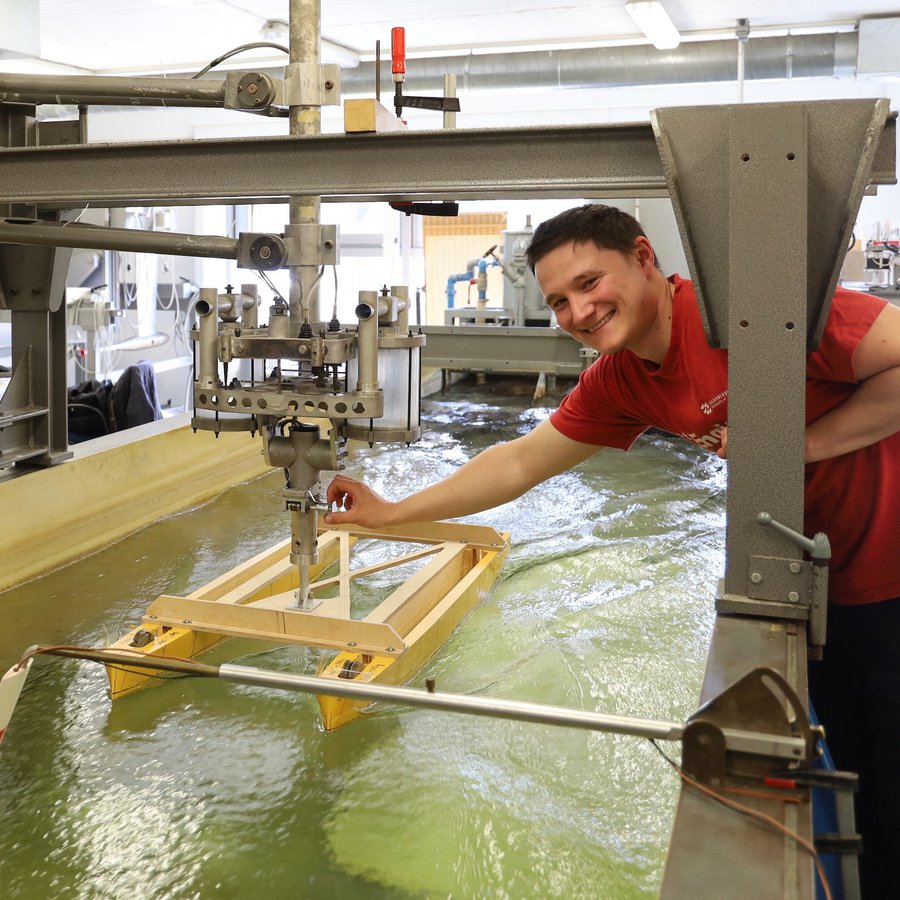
x=311, y=84
x=819, y=550
x=311, y=245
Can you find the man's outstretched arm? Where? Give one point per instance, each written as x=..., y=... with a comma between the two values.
x=872, y=411
x=496, y=476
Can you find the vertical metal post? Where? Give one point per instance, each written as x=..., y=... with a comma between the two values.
x=767, y=291
x=449, y=91
x=305, y=28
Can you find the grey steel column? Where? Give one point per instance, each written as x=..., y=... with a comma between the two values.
x=305, y=29
x=767, y=290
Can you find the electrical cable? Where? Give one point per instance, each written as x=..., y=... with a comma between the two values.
x=268, y=282
x=334, y=311
x=240, y=49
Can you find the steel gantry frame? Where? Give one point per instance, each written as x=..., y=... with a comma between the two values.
x=764, y=195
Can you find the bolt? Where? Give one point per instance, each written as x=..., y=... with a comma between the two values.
x=329, y=85
x=329, y=245
x=794, y=567
x=429, y=685
x=265, y=252
x=238, y=346
x=793, y=596
x=252, y=88
x=186, y=621
x=351, y=643
x=756, y=578
x=389, y=649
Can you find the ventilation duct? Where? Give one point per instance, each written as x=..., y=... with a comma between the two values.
x=794, y=56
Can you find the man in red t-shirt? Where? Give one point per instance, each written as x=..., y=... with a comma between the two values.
x=599, y=275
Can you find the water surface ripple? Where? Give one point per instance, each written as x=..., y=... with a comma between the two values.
x=200, y=789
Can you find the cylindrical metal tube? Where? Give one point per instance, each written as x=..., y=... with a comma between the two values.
x=208, y=357
x=401, y=292
x=250, y=317
x=305, y=25
x=96, y=237
x=69, y=89
x=521, y=711
x=367, y=342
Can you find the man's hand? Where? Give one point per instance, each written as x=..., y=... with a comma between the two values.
x=363, y=505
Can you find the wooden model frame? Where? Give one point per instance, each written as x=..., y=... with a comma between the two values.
x=389, y=644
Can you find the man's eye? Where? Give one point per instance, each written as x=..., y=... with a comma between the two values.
x=559, y=304
x=587, y=285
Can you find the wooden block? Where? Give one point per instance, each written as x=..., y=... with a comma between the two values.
x=366, y=116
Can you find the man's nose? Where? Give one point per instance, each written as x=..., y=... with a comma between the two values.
x=582, y=308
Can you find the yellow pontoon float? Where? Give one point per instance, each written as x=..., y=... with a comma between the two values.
x=457, y=567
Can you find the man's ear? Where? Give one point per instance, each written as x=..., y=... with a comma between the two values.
x=646, y=256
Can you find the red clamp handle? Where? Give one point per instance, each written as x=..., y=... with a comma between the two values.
x=398, y=51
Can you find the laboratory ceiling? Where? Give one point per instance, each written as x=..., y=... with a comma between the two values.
x=151, y=36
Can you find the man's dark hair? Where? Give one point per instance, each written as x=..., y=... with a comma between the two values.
x=608, y=227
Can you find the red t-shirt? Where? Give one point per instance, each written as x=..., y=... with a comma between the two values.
x=854, y=498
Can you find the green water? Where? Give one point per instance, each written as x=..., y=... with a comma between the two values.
x=200, y=789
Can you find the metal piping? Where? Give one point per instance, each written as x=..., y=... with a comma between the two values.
x=208, y=312
x=795, y=56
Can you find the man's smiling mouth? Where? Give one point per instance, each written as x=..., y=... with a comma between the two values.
x=601, y=323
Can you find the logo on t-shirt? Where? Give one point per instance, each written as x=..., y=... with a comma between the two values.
x=707, y=406
x=712, y=440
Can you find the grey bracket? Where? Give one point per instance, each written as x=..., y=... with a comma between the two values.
x=311, y=84
x=850, y=143
x=760, y=702
x=312, y=245
x=794, y=176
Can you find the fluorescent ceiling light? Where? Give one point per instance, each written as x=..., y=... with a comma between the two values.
x=651, y=17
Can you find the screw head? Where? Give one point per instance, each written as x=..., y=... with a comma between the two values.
x=756, y=578
x=793, y=596
x=794, y=567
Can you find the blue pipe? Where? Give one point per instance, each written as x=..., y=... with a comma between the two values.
x=451, y=282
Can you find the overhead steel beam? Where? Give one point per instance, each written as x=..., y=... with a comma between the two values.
x=597, y=160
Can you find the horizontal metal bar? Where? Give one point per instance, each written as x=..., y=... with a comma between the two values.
x=501, y=348
x=96, y=237
x=781, y=746
x=310, y=684
x=586, y=161
x=480, y=706
x=101, y=88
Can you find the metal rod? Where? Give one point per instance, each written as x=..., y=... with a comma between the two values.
x=522, y=711
x=305, y=22
x=95, y=88
x=96, y=237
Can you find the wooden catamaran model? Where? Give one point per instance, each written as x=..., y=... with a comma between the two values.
x=457, y=565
